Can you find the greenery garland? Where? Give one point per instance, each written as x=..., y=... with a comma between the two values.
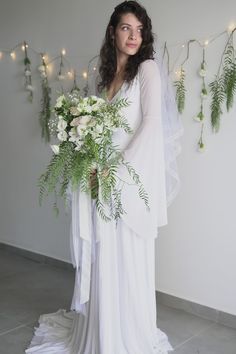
x=45, y=113
x=223, y=88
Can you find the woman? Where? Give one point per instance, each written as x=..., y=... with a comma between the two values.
x=114, y=298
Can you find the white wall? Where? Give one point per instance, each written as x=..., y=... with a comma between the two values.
x=195, y=252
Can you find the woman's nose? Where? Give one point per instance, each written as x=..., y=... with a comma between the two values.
x=132, y=35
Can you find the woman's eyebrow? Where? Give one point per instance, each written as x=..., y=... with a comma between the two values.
x=127, y=24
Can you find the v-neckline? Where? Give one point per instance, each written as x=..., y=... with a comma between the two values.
x=114, y=94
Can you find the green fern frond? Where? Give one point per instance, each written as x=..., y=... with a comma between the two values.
x=180, y=91
x=218, y=96
x=229, y=74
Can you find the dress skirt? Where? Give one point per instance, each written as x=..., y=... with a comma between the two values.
x=121, y=311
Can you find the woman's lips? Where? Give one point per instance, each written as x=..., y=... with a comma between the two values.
x=132, y=45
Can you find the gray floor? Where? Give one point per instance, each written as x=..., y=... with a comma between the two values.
x=28, y=289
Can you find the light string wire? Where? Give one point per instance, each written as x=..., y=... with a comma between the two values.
x=166, y=52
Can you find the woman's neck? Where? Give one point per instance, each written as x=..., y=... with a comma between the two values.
x=121, y=63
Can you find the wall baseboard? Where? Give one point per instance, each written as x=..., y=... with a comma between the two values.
x=206, y=312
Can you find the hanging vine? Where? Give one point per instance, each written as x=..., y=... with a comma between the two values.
x=45, y=113
x=28, y=78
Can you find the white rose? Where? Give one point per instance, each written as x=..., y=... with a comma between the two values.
x=55, y=149
x=74, y=111
x=85, y=119
x=59, y=101
x=62, y=124
x=62, y=135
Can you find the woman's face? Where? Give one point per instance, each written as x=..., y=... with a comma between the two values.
x=128, y=35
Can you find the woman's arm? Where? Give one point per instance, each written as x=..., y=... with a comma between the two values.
x=146, y=154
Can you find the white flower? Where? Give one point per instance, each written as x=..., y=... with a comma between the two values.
x=74, y=111
x=59, y=101
x=98, y=99
x=60, y=77
x=99, y=129
x=62, y=135
x=41, y=68
x=73, y=135
x=89, y=109
x=43, y=75
x=95, y=98
x=27, y=72
x=55, y=149
x=81, y=129
x=29, y=88
x=201, y=147
x=199, y=117
x=85, y=119
x=62, y=124
x=202, y=72
x=204, y=94
x=79, y=143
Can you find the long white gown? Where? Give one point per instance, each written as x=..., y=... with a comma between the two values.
x=113, y=309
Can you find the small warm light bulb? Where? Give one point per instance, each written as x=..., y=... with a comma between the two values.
x=231, y=27
x=63, y=52
x=49, y=68
x=13, y=55
x=183, y=45
x=24, y=46
x=178, y=73
x=85, y=75
x=70, y=74
x=94, y=68
x=0, y=55
x=206, y=42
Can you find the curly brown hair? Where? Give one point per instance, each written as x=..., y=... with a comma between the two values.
x=108, y=59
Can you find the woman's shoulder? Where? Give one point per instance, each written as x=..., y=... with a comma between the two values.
x=149, y=68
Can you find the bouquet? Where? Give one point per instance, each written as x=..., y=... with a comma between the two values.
x=86, y=157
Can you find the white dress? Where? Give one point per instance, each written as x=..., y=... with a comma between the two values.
x=113, y=309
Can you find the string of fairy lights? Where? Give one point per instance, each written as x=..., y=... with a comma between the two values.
x=66, y=71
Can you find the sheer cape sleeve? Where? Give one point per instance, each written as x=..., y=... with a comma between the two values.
x=145, y=153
